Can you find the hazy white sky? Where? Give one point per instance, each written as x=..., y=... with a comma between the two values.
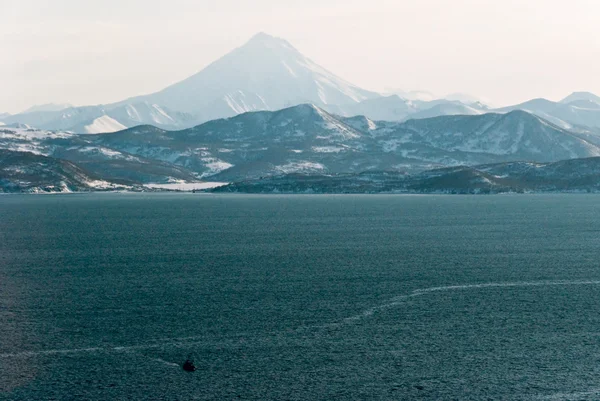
x=100, y=51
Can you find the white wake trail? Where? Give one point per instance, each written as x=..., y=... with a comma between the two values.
x=51, y=352
x=159, y=360
x=426, y=291
x=128, y=348
x=183, y=341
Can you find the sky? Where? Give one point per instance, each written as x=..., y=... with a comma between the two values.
x=503, y=51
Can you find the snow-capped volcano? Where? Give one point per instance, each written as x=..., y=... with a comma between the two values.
x=266, y=73
x=269, y=74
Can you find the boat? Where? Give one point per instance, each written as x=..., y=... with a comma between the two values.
x=189, y=366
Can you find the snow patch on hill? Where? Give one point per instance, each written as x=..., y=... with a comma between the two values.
x=102, y=125
x=187, y=186
x=301, y=167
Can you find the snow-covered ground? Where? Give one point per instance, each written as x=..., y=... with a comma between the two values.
x=104, y=124
x=187, y=186
x=26, y=134
x=301, y=167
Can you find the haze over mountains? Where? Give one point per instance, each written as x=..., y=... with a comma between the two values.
x=268, y=73
x=48, y=107
x=265, y=110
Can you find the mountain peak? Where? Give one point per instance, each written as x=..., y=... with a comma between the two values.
x=265, y=40
x=518, y=113
x=303, y=109
x=262, y=36
x=581, y=96
x=523, y=115
x=266, y=73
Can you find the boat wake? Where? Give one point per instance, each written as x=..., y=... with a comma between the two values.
x=432, y=290
x=25, y=354
x=174, y=342
x=393, y=302
x=159, y=360
x=590, y=394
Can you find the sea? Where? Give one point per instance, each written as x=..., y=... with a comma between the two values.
x=104, y=296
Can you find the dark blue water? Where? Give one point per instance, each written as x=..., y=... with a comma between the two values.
x=103, y=296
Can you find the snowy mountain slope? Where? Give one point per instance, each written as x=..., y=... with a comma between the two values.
x=252, y=143
x=28, y=172
x=447, y=109
x=110, y=164
x=17, y=125
x=396, y=108
x=464, y=98
x=99, y=119
x=63, y=120
x=577, y=175
x=576, y=110
x=420, y=95
x=300, y=138
x=517, y=134
x=587, y=96
x=102, y=124
x=131, y=115
x=266, y=73
x=114, y=165
x=539, y=105
x=29, y=140
x=385, y=108
x=306, y=139
x=584, y=104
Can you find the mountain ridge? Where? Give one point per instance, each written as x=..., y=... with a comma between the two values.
x=306, y=139
x=33, y=173
x=576, y=175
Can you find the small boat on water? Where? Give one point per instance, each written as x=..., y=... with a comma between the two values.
x=189, y=366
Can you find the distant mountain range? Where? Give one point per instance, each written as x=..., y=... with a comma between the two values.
x=303, y=139
x=98, y=119
x=577, y=175
x=578, y=110
x=48, y=107
x=268, y=73
x=266, y=114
